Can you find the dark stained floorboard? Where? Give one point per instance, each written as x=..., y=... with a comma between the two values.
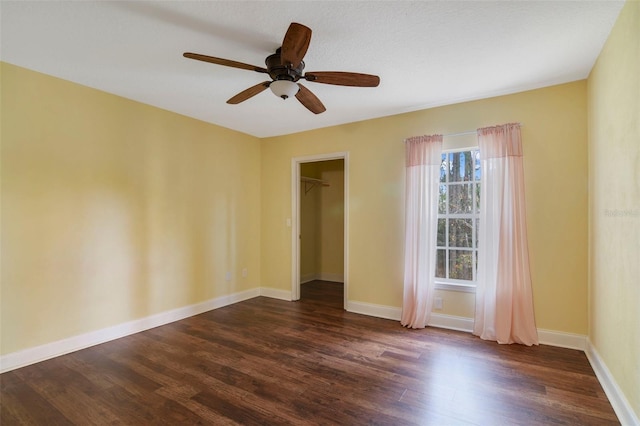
x=271, y=362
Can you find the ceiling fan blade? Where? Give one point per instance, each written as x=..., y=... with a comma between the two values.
x=343, y=78
x=295, y=44
x=225, y=62
x=249, y=93
x=309, y=100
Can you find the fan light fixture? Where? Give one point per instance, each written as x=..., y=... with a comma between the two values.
x=285, y=67
x=284, y=88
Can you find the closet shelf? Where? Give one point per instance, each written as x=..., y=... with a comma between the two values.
x=310, y=183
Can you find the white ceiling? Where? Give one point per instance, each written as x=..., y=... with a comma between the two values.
x=426, y=53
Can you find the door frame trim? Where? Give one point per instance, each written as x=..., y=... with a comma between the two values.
x=295, y=219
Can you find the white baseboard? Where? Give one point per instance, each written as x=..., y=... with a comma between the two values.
x=275, y=293
x=322, y=276
x=451, y=322
x=307, y=278
x=373, y=310
x=393, y=313
x=327, y=276
x=562, y=339
x=618, y=401
x=29, y=356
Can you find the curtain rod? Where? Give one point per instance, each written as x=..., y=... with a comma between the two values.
x=468, y=132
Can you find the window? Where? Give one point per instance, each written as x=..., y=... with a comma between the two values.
x=458, y=213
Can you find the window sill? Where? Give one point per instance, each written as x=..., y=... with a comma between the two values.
x=449, y=286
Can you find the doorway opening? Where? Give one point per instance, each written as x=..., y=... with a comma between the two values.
x=319, y=237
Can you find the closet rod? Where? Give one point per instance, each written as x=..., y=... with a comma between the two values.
x=312, y=182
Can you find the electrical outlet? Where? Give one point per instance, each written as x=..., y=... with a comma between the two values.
x=438, y=303
x=245, y=272
x=227, y=276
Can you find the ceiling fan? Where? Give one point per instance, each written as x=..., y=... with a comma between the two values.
x=285, y=68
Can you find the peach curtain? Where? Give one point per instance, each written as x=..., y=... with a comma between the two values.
x=504, y=301
x=421, y=226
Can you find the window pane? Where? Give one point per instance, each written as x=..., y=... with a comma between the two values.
x=442, y=199
x=460, y=232
x=461, y=166
x=454, y=167
x=441, y=262
x=442, y=228
x=460, y=265
x=460, y=198
x=458, y=211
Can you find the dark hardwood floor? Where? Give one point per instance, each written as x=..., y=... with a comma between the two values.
x=266, y=361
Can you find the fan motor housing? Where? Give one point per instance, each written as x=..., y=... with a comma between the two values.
x=278, y=71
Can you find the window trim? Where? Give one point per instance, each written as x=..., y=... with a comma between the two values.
x=455, y=285
x=451, y=284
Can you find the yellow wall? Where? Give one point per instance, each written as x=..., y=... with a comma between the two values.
x=614, y=204
x=331, y=224
x=113, y=210
x=309, y=213
x=118, y=210
x=555, y=147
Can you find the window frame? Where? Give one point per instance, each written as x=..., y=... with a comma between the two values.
x=452, y=284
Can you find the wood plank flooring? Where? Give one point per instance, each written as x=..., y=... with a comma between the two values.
x=271, y=362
